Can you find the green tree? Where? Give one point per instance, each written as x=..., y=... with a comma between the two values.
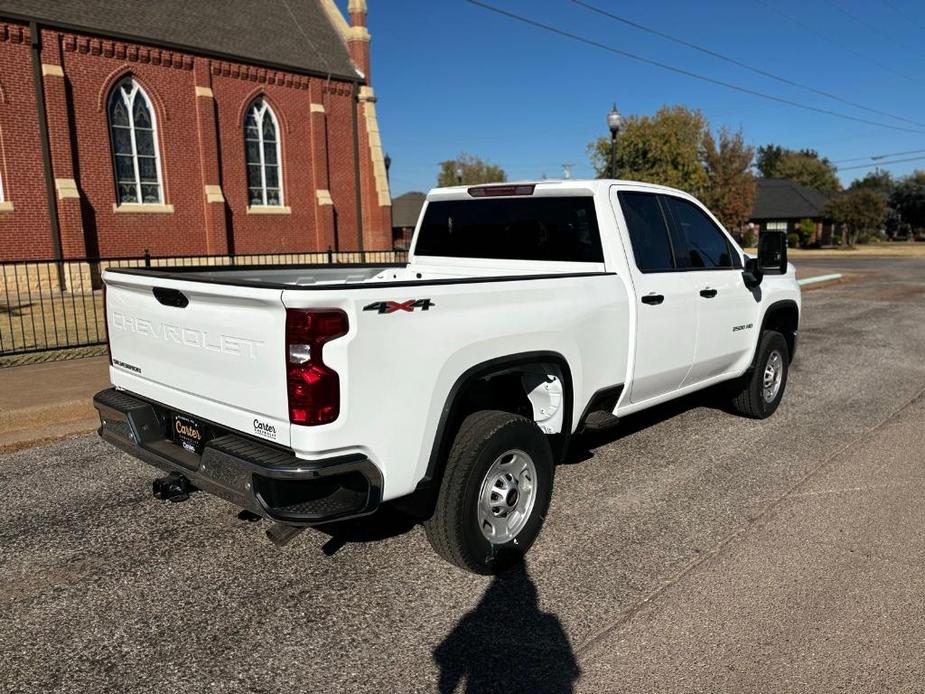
x=879, y=181
x=805, y=167
x=908, y=202
x=766, y=159
x=731, y=186
x=857, y=212
x=666, y=148
x=474, y=170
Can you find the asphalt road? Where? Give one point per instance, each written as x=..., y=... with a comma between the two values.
x=690, y=551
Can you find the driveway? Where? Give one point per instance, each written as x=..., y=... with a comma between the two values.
x=691, y=550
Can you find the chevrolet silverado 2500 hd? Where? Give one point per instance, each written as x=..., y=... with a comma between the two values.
x=451, y=384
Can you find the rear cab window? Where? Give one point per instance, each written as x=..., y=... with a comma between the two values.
x=522, y=228
x=649, y=231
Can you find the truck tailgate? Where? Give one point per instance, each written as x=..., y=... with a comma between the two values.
x=216, y=351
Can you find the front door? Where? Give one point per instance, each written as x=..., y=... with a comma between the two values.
x=666, y=311
x=727, y=310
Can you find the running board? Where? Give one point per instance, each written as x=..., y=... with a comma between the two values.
x=600, y=420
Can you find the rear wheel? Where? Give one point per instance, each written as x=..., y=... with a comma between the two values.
x=762, y=388
x=495, y=492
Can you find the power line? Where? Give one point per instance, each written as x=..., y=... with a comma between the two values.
x=902, y=13
x=863, y=22
x=880, y=163
x=877, y=157
x=739, y=63
x=686, y=73
x=829, y=39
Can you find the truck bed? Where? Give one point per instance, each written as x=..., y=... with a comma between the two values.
x=356, y=275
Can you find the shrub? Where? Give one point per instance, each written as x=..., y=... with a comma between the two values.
x=806, y=230
x=793, y=240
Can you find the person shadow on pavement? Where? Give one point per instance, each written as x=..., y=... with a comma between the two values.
x=506, y=644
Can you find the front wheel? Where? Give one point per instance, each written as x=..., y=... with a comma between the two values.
x=762, y=388
x=495, y=492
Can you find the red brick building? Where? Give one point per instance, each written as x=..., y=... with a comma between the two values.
x=187, y=128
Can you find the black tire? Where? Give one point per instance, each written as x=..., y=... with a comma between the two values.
x=454, y=528
x=750, y=400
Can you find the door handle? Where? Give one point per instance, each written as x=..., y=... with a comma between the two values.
x=170, y=297
x=708, y=293
x=653, y=299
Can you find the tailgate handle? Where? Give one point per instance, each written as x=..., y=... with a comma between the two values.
x=170, y=297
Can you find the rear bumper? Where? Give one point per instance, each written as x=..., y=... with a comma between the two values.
x=264, y=479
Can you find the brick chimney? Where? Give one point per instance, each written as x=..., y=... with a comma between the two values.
x=358, y=36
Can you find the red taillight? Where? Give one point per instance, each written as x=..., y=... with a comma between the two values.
x=314, y=389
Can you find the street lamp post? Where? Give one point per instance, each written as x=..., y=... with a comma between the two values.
x=388, y=165
x=459, y=174
x=614, y=122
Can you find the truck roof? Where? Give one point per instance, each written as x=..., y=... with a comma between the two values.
x=549, y=187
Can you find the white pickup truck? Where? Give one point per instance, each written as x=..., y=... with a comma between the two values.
x=451, y=385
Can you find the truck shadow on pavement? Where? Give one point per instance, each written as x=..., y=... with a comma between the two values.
x=507, y=644
x=383, y=524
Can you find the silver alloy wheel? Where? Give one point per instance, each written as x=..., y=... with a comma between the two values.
x=773, y=375
x=507, y=496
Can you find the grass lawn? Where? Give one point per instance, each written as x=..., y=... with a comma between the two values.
x=53, y=320
x=911, y=250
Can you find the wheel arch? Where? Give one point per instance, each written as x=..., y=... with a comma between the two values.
x=784, y=317
x=464, y=396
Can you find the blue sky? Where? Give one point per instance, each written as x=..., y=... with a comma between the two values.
x=454, y=77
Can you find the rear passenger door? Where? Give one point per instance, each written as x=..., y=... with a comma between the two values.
x=727, y=310
x=666, y=310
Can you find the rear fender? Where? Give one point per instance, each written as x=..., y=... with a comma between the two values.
x=525, y=365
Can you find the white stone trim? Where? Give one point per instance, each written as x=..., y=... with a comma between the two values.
x=375, y=148
x=336, y=18
x=204, y=91
x=67, y=188
x=142, y=208
x=269, y=209
x=214, y=194
x=317, y=108
x=358, y=34
x=51, y=70
x=324, y=197
x=6, y=206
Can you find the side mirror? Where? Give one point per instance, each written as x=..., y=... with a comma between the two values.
x=751, y=274
x=772, y=253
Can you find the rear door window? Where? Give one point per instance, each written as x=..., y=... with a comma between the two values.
x=648, y=230
x=706, y=246
x=528, y=228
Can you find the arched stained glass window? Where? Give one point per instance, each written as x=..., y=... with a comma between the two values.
x=134, y=145
x=261, y=145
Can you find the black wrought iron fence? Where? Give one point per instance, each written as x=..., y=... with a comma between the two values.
x=58, y=305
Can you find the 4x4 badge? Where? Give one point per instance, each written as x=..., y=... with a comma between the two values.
x=393, y=306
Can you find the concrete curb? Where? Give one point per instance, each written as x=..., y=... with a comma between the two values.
x=19, y=439
x=819, y=279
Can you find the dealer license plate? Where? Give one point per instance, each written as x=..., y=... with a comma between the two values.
x=189, y=433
